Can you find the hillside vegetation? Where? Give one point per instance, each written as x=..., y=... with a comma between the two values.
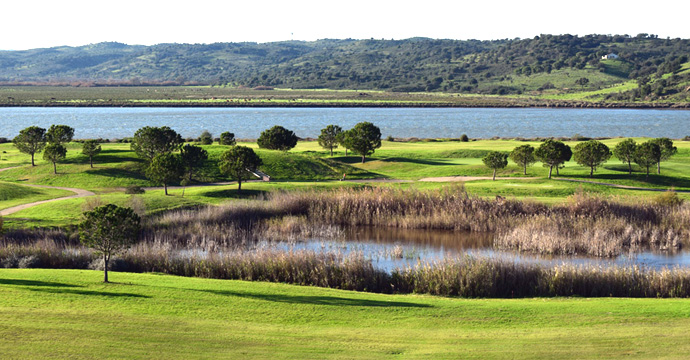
x=544, y=65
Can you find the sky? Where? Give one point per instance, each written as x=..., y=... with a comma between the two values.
x=36, y=24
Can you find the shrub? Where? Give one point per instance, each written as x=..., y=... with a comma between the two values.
x=464, y=138
x=134, y=189
x=206, y=138
x=668, y=198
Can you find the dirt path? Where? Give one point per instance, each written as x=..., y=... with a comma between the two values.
x=472, y=178
x=78, y=193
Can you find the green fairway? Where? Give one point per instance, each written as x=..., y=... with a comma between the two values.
x=57, y=314
x=11, y=194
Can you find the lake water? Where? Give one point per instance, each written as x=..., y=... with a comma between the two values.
x=111, y=123
x=394, y=248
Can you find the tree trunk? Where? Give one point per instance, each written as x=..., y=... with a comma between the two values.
x=550, y=170
x=331, y=152
x=647, y=176
x=91, y=161
x=494, y=179
x=658, y=168
x=239, y=184
x=591, y=171
x=363, y=158
x=345, y=151
x=557, y=173
x=105, y=268
x=54, y=168
x=525, y=170
x=165, y=186
x=629, y=168
x=32, y=160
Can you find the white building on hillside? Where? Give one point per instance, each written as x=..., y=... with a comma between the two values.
x=610, y=56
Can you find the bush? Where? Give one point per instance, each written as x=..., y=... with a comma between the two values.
x=206, y=138
x=668, y=198
x=390, y=138
x=134, y=189
x=464, y=138
x=227, y=138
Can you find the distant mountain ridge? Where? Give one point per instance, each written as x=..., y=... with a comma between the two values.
x=418, y=64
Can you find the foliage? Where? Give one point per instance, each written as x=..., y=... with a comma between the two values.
x=625, y=152
x=30, y=141
x=647, y=154
x=277, y=138
x=667, y=150
x=134, y=190
x=227, y=138
x=330, y=136
x=59, y=134
x=553, y=153
x=193, y=159
x=464, y=138
x=91, y=148
x=206, y=138
x=165, y=169
x=591, y=153
x=109, y=229
x=364, y=138
x=54, y=152
x=495, y=160
x=151, y=141
x=235, y=163
x=523, y=155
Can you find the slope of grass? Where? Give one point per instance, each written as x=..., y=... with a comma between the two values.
x=12, y=195
x=69, y=314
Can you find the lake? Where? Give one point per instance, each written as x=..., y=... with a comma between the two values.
x=245, y=123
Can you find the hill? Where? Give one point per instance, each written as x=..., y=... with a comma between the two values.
x=545, y=65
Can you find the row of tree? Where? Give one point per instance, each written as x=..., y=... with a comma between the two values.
x=592, y=154
x=34, y=139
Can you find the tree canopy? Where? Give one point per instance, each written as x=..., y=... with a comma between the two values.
x=495, y=160
x=330, y=137
x=277, y=138
x=364, y=138
x=523, y=155
x=666, y=151
x=625, y=152
x=553, y=153
x=165, y=169
x=236, y=163
x=109, y=229
x=151, y=141
x=54, y=153
x=30, y=141
x=227, y=138
x=59, y=134
x=193, y=159
x=647, y=155
x=91, y=148
x=591, y=153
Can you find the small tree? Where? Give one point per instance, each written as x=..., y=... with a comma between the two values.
x=667, y=150
x=523, y=155
x=329, y=137
x=151, y=141
x=236, y=162
x=59, y=134
x=647, y=154
x=277, y=138
x=495, y=160
x=583, y=81
x=91, y=148
x=363, y=139
x=165, y=169
x=591, y=153
x=206, y=138
x=54, y=153
x=109, y=229
x=625, y=152
x=553, y=153
x=30, y=141
x=227, y=138
x=193, y=158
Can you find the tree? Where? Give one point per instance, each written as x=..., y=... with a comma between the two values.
x=193, y=158
x=667, y=150
x=495, y=160
x=523, y=155
x=59, y=134
x=591, y=153
x=151, y=141
x=91, y=148
x=165, y=169
x=329, y=137
x=227, y=138
x=583, y=81
x=30, y=141
x=206, y=138
x=647, y=154
x=553, y=153
x=236, y=162
x=54, y=153
x=277, y=138
x=625, y=152
x=109, y=229
x=363, y=139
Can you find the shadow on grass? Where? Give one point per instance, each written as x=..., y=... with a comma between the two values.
x=318, y=300
x=19, y=282
x=89, y=293
x=654, y=179
x=234, y=194
x=415, y=161
x=116, y=173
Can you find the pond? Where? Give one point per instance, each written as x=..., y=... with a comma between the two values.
x=109, y=123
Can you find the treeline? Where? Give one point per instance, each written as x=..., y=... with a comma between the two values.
x=417, y=64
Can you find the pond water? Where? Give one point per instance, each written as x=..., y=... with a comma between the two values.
x=394, y=248
x=111, y=123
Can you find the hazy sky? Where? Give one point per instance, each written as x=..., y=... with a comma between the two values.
x=31, y=24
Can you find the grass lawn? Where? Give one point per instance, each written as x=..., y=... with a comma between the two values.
x=12, y=194
x=57, y=314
